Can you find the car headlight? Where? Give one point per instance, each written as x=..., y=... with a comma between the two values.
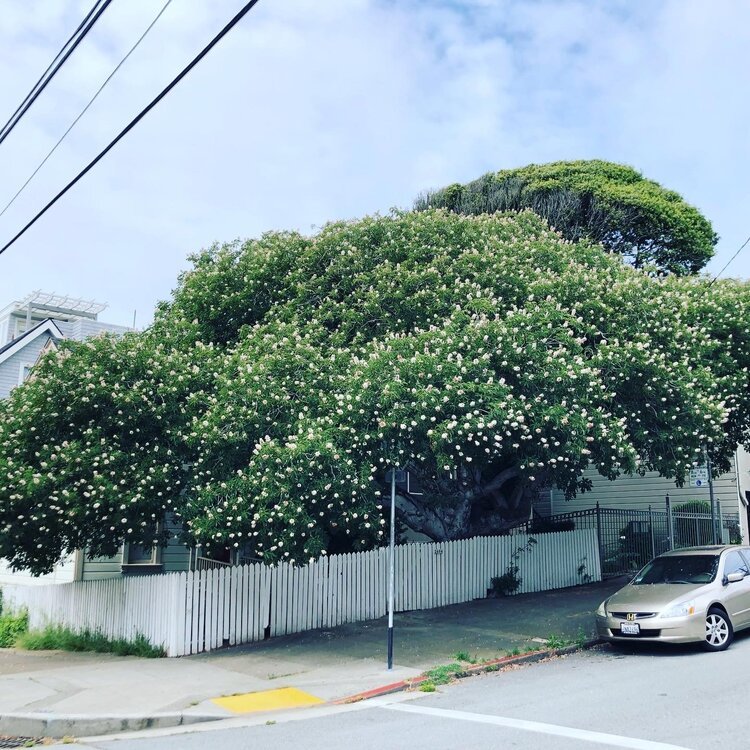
x=680, y=610
x=602, y=611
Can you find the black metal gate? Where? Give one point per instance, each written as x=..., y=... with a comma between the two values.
x=628, y=539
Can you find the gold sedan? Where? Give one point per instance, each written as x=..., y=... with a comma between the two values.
x=699, y=594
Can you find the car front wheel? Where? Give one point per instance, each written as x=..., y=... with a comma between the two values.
x=719, y=630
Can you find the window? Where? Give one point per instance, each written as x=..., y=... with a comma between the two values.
x=679, y=569
x=135, y=554
x=24, y=372
x=735, y=563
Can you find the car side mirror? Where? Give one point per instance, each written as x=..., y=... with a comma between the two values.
x=733, y=577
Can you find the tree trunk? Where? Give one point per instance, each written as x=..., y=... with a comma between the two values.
x=476, y=510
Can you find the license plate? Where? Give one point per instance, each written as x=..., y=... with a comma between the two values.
x=630, y=628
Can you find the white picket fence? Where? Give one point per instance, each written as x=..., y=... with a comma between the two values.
x=187, y=613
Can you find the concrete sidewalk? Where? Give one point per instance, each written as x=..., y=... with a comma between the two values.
x=57, y=693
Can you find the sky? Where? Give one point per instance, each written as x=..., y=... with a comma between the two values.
x=310, y=111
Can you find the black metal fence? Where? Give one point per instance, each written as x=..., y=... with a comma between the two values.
x=628, y=539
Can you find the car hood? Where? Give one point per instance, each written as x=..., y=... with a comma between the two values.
x=651, y=597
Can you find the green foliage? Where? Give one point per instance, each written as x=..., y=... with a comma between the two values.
x=583, y=571
x=608, y=203
x=263, y=406
x=63, y=639
x=510, y=581
x=427, y=687
x=465, y=657
x=581, y=638
x=557, y=641
x=507, y=583
x=12, y=627
x=444, y=674
x=699, y=507
x=692, y=523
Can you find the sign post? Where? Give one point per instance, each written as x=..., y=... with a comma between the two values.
x=711, y=498
x=392, y=568
x=701, y=477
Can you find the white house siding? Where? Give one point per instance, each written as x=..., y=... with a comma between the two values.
x=638, y=492
x=64, y=572
x=10, y=369
x=84, y=328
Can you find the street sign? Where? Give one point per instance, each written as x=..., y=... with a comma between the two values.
x=699, y=476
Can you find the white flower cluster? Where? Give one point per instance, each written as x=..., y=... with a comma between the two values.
x=264, y=404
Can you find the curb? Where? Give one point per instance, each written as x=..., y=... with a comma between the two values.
x=51, y=725
x=493, y=665
x=85, y=725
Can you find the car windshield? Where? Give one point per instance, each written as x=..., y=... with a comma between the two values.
x=679, y=569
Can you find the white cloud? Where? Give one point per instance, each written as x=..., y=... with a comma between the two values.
x=312, y=111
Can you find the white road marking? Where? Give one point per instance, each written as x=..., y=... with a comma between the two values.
x=535, y=726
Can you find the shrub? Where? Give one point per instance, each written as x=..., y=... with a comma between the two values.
x=507, y=583
x=692, y=523
x=12, y=627
x=54, y=638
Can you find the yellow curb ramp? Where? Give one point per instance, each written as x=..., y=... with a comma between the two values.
x=267, y=700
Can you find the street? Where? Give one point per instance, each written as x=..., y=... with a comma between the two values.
x=646, y=698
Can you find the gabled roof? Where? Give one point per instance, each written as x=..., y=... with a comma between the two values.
x=12, y=347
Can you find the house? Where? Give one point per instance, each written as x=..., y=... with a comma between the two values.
x=731, y=491
x=28, y=328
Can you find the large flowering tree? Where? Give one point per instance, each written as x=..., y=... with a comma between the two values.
x=487, y=354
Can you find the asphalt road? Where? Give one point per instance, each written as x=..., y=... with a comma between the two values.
x=647, y=698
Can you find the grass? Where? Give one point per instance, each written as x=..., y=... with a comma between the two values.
x=581, y=638
x=446, y=673
x=14, y=631
x=55, y=638
x=464, y=656
x=443, y=674
x=556, y=641
x=12, y=627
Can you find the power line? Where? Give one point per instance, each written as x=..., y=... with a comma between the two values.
x=84, y=27
x=726, y=265
x=49, y=67
x=85, y=109
x=237, y=18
